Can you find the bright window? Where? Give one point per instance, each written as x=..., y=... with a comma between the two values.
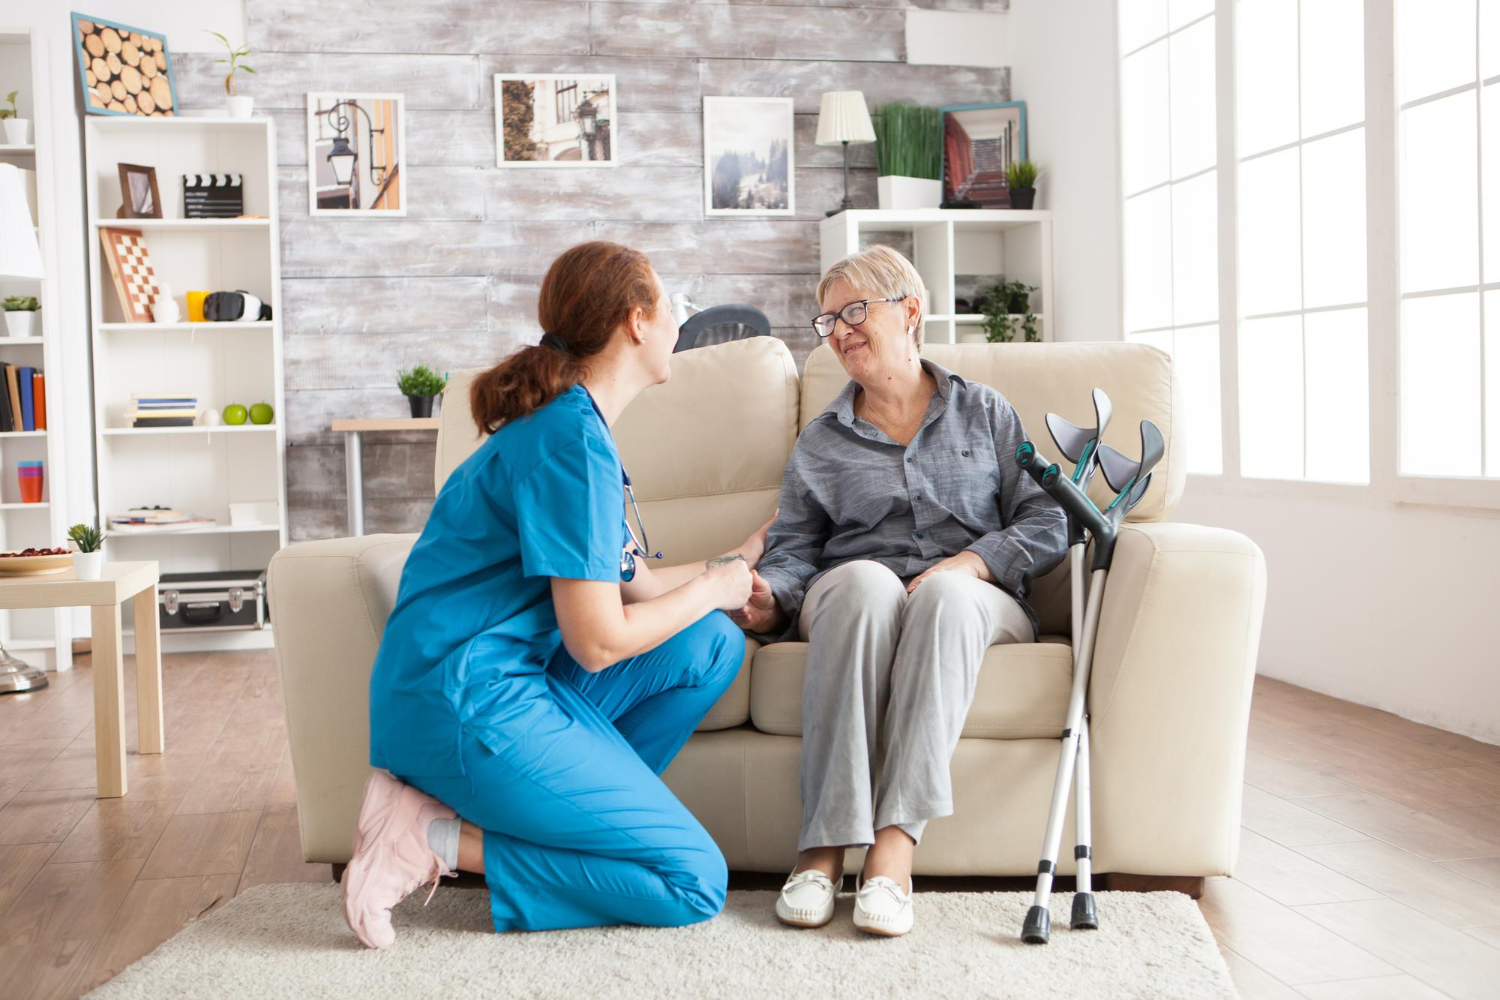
x=1303, y=357
x=1168, y=155
x=1447, y=72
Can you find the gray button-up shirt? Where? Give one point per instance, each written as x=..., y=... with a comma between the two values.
x=850, y=492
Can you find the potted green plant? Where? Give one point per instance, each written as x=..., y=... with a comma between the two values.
x=908, y=145
x=1007, y=309
x=421, y=385
x=240, y=106
x=88, y=560
x=20, y=315
x=1020, y=177
x=17, y=129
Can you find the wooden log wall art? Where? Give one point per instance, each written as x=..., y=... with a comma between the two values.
x=125, y=70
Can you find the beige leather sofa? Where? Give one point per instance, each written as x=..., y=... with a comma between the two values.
x=1170, y=691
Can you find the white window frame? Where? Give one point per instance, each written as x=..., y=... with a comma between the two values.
x=1382, y=240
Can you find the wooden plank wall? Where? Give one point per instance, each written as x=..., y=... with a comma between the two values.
x=454, y=283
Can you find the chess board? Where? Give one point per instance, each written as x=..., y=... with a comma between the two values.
x=130, y=266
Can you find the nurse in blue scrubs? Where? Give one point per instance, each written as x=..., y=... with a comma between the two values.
x=537, y=674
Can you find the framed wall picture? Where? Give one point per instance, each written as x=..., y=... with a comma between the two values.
x=124, y=70
x=139, y=198
x=555, y=120
x=356, y=146
x=979, y=142
x=748, y=167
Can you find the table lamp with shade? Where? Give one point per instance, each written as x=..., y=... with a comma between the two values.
x=20, y=258
x=843, y=118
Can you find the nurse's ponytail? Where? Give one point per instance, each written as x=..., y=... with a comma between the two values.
x=588, y=292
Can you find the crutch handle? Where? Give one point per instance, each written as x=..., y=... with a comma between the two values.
x=1063, y=490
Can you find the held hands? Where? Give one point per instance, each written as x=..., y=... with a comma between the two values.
x=761, y=613
x=729, y=580
x=964, y=562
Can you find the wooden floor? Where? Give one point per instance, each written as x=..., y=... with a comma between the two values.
x=1369, y=865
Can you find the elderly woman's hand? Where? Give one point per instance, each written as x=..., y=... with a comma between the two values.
x=964, y=562
x=761, y=613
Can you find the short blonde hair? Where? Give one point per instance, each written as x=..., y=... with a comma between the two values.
x=883, y=271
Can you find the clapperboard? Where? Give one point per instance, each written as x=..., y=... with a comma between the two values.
x=212, y=196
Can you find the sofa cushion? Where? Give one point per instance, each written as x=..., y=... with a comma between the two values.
x=1058, y=377
x=1022, y=692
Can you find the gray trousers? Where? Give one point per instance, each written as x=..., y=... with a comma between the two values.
x=890, y=678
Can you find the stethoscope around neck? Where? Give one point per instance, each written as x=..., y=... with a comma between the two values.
x=639, y=546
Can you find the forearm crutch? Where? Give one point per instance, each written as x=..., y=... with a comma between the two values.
x=1133, y=479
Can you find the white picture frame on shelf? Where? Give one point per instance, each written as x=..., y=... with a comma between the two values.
x=753, y=132
x=556, y=120
x=370, y=128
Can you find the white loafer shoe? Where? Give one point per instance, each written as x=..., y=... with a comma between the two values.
x=807, y=899
x=880, y=907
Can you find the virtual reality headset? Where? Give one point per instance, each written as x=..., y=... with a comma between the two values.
x=234, y=307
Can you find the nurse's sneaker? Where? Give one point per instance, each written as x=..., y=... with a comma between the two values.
x=391, y=856
x=807, y=899
x=880, y=907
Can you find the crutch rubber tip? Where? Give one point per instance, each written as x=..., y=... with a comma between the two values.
x=1038, y=925
x=1085, y=915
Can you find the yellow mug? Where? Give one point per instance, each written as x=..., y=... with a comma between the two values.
x=195, y=306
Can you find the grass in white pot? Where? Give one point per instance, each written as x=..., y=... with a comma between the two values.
x=908, y=146
x=20, y=314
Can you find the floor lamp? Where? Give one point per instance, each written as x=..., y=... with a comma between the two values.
x=20, y=257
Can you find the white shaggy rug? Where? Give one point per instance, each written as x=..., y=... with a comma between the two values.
x=291, y=941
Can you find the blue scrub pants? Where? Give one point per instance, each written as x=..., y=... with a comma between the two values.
x=579, y=830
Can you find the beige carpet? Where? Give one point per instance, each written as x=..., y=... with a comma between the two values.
x=291, y=941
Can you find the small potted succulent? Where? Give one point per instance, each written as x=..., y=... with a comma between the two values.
x=239, y=105
x=421, y=385
x=1020, y=177
x=17, y=129
x=88, y=561
x=20, y=315
x=1007, y=308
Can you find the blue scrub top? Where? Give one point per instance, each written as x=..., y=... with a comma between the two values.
x=468, y=642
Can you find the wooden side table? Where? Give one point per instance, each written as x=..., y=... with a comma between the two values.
x=120, y=581
x=354, y=486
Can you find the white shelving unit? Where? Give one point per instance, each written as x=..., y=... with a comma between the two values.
x=44, y=637
x=201, y=469
x=954, y=248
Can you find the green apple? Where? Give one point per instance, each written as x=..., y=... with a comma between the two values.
x=261, y=413
x=234, y=413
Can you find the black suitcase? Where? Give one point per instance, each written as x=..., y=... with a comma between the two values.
x=212, y=602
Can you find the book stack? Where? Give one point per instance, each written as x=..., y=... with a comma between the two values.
x=23, y=399
x=156, y=519
x=163, y=410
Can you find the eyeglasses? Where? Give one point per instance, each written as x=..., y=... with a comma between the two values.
x=853, y=314
x=639, y=547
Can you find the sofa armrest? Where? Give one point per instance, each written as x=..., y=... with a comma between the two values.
x=1169, y=697
x=329, y=604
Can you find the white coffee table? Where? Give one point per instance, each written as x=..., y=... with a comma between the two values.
x=120, y=581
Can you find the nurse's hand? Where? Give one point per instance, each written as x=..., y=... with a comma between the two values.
x=755, y=546
x=729, y=582
x=761, y=613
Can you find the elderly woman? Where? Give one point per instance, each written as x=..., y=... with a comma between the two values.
x=906, y=541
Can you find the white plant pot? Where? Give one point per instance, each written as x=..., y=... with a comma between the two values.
x=909, y=192
x=88, y=565
x=241, y=107
x=17, y=131
x=21, y=324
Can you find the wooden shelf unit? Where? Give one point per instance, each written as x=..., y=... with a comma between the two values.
x=953, y=248
x=43, y=637
x=200, y=469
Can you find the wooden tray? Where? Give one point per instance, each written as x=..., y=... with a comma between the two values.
x=34, y=565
